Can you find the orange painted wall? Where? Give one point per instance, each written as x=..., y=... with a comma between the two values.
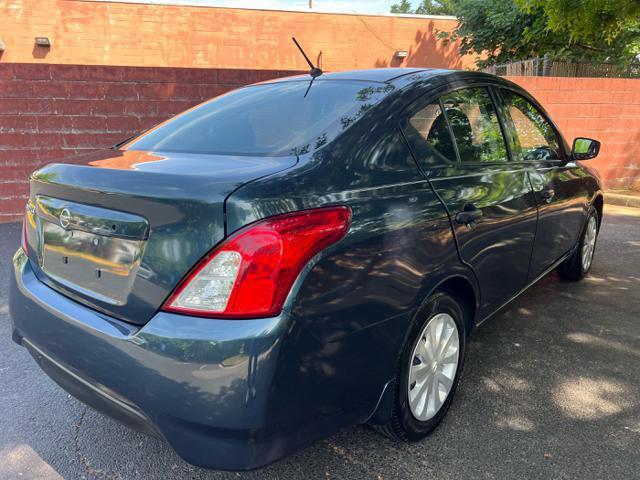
x=100, y=33
x=607, y=109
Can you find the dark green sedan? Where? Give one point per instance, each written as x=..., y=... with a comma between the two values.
x=298, y=256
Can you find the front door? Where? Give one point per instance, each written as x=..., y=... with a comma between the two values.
x=557, y=183
x=490, y=202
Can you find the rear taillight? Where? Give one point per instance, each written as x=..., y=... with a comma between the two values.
x=250, y=274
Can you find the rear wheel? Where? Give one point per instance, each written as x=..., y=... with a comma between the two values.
x=578, y=264
x=429, y=370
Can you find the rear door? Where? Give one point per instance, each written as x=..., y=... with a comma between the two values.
x=459, y=144
x=557, y=183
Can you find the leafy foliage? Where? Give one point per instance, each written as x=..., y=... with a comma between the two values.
x=500, y=31
x=597, y=23
x=426, y=7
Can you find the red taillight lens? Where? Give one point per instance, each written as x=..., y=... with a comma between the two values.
x=251, y=273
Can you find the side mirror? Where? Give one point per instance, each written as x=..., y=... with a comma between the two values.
x=585, y=148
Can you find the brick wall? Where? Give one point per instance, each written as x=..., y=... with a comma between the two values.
x=53, y=111
x=117, y=68
x=607, y=109
x=102, y=33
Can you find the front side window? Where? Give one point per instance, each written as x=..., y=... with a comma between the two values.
x=536, y=137
x=475, y=126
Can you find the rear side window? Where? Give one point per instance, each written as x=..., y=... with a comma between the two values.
x=537, y=139
x=284, y=118
x=475, y=126
x=429, y=135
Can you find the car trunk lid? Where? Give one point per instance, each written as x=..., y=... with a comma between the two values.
x=117, y=230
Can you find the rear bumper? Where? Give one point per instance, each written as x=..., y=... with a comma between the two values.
x=201, y=384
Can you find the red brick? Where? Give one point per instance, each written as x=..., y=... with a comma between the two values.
x=156, y=91
x=102, y=73
x=211, y=91
x=26, y=106
x=32, y=71
x=234, y=76
x=46, y=89
x=145, y=108
x=194, y=75
x=13, y=207
x=175, y=106
x=29, y=140
x=632, y=85
x=20, y=123
x=121, y=91
x=16, y=157
x=148, y=122
x=187, y=92
x=85, y=90
x=67, y=72
x=91, y=140
x=122, y=123
x=73, y=106
x=16, y=89
x=88, y=123
x=6, y=71
x=53, y=123
x=144, y=74
x=108, y=107
x=16, y=172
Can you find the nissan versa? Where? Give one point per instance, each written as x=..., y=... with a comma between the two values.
x=298, y=256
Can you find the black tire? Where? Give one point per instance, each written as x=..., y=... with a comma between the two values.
x=572, y=268
x=403, y=425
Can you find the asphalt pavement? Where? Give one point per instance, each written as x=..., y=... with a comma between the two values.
x=551, y=389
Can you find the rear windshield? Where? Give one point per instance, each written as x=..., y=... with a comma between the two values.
x=268, y=119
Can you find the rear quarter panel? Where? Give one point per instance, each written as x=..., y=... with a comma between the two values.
x=351, y=311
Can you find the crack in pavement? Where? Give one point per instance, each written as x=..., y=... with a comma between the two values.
x=89, y=469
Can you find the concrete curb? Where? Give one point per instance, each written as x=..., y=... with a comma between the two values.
x=622, y=199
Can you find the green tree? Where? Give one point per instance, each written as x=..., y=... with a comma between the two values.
x=509, y=30
x=425, y=7
x=403, y=7
x=595, y=23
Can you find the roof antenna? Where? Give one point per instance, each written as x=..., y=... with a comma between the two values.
x=315, y=71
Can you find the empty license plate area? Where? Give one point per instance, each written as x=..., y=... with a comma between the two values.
x=90, y=250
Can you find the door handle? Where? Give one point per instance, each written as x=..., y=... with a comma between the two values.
x=469, y=215
x=547, y=194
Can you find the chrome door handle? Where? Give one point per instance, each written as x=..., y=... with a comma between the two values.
x=547, y=194
x=469, y=215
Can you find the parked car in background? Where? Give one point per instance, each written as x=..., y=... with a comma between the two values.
x=289, y=259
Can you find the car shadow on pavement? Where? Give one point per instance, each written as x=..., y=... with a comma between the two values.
x=551, y=388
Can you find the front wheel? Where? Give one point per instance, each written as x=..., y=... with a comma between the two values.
x=429, y=370
x=578, y=264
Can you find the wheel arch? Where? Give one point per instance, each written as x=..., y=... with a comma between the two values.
x=598, y=204
x=466, y=292
x=464, y=289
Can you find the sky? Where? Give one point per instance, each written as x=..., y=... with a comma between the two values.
x=361, y=6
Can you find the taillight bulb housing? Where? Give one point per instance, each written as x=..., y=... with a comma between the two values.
x=251, y=273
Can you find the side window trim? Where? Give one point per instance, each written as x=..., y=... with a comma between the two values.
x=509, y=135
x=443, y=112
x=435, y=95
x=489, y=87
x=559, y=137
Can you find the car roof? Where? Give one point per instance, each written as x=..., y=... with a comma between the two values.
x=383, y=75
x=373, y=74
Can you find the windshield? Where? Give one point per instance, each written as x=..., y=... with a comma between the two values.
x=267, y=119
